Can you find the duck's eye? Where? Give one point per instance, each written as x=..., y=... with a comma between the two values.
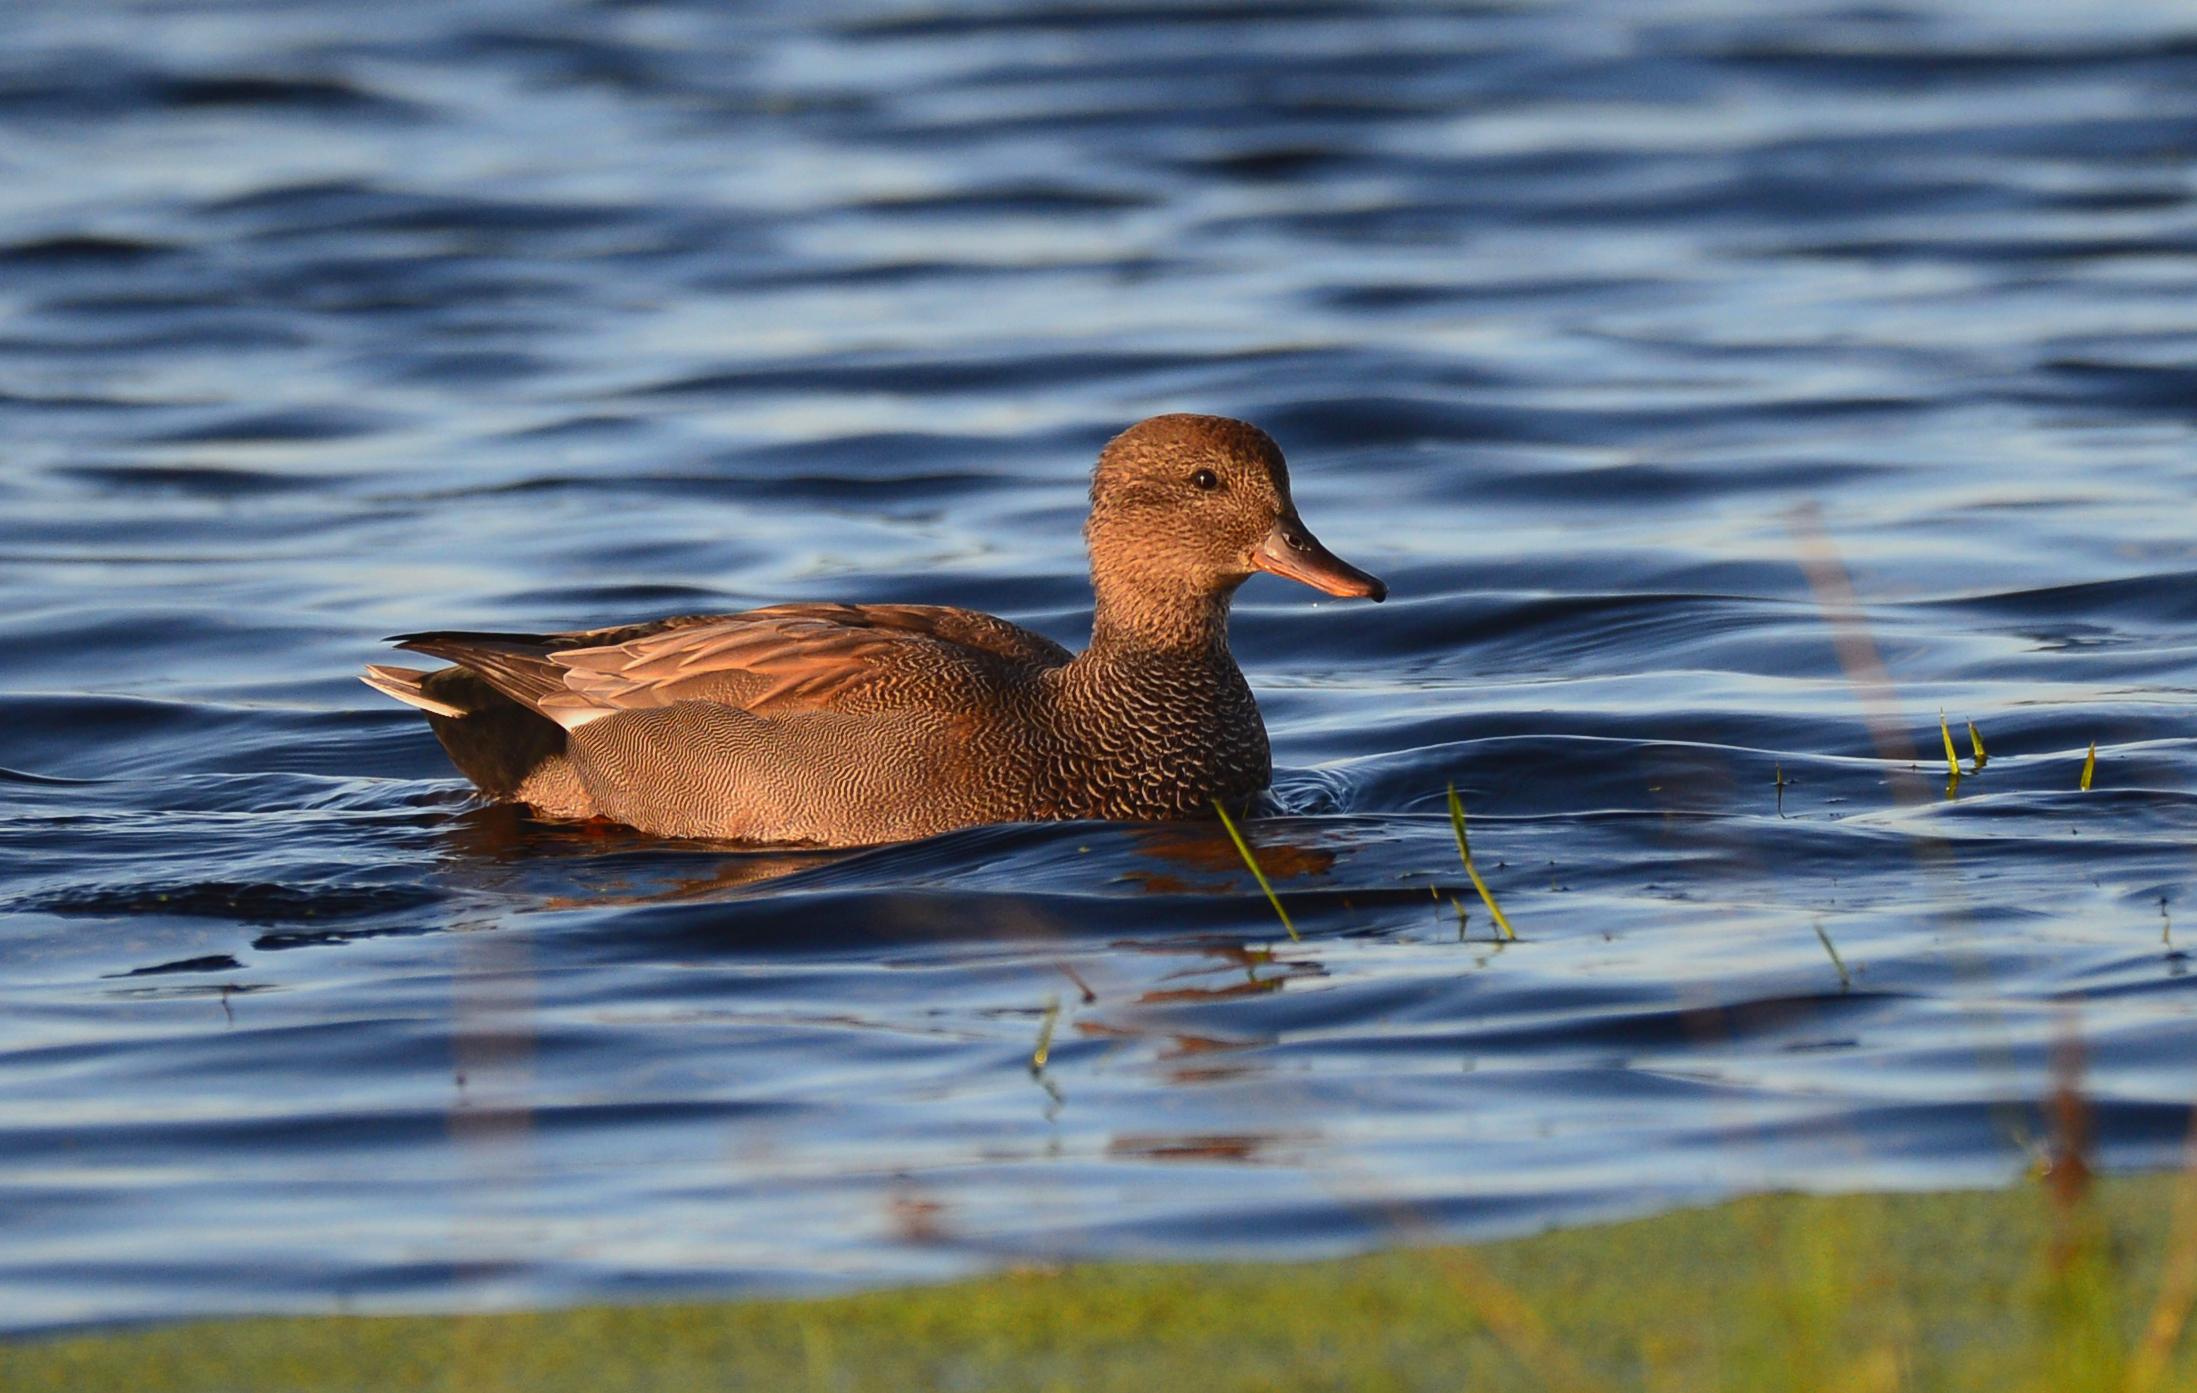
x=1206, y=479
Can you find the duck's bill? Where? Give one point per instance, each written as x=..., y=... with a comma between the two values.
x=1292, y=551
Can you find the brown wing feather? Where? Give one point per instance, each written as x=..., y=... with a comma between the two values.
x=783, y=658
x=515, y=664
x=967, y=627
x=756, y=661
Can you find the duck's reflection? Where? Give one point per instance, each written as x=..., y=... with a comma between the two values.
x=1205, y=861
x=1263, y=971
x=1158, y=999
x=1196, y=1059
x=633, y=868
x=1193, y=1057
x=1238, y=1148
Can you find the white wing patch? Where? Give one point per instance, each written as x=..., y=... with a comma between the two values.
x=573, y=716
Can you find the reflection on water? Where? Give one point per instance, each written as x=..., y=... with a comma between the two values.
x=1207, y=861
x=1233, y=959
x=490, y=1114
x=1192, y=1148
x=1726, y=390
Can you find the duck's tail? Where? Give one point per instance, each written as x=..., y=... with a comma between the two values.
x=497, y=743
x=403, y=683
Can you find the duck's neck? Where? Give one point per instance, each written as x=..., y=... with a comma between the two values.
x=1180, y=626
x=1161, y=715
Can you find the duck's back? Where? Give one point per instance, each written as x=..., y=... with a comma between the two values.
x=836, y=724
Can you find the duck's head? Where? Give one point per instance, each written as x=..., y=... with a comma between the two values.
x=1187, y=508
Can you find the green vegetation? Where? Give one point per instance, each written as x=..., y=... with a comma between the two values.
x=1044, y=1050
x=2062, y=1286
x=1256, y=874
x=1464, y=853
x=1845, y=981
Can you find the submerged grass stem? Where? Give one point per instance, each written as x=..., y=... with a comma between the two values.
x=1845, y=983
x=1256, y=874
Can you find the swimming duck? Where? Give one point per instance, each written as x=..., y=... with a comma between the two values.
x=846, y=725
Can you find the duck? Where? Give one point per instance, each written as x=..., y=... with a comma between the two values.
x=839, y=725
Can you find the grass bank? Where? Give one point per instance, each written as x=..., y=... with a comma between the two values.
x=2005, y=1290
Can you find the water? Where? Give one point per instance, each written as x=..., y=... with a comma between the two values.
x=1619, y=339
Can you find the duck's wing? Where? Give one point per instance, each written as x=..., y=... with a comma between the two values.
x=966, y=628
x=767, y=661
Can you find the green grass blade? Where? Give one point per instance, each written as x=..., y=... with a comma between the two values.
x=1975, y=747
x=1845, y=983
x=1256, y=874
x=1464, y=850
x=1044, y=1050
x=2090, y=765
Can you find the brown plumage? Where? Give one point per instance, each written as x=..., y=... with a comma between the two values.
x=851, y=724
